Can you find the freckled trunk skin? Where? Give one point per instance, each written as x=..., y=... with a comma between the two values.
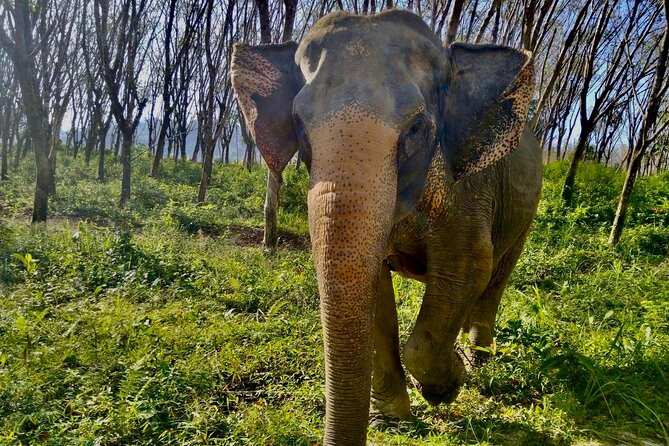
x=351, y=203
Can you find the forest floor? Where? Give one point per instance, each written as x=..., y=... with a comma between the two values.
x=165, y=323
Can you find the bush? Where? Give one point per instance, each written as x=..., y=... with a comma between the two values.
x=642, y=240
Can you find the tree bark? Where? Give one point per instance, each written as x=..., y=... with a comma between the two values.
x=454, y=21
x=494, y=6
x=587, y=119
x=249, y=153
x=102, y=141
x=568, y=189
x=271, y=236
x=494, y=34
x=125, y=163
x=265, y=28
x=289, y=20
x=92, y=134
x=6, y=132
x=167, y=94
x=21, y=51
x=207, y=164
x=571, y=36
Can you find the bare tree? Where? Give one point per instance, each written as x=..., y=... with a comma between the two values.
x=39, y=55
x=603, y=82
x=216, y=47
x=454, y=21
x=98, y=101
x=494, y=8
x=182, y=46
x=649, y=130
x=8, y=109
x=575, y=31
x=122, y=35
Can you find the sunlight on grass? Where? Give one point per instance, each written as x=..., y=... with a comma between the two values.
x=165, y=323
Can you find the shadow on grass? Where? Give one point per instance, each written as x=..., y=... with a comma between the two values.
x=488, y=429
x=565, y=398
x=623, y=405
x=248, y=236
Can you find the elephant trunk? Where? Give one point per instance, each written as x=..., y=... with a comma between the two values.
x=351, y=203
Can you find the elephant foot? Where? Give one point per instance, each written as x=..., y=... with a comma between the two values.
x=447, y=390
x=474, y=357
x=436, y=395
x=388, y=411
x=470, y=357
x=477, y=352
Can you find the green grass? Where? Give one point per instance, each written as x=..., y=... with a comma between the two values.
x=165, y=323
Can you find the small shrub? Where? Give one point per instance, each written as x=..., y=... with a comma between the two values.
x=644, y=240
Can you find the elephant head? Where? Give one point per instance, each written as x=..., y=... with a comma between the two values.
x=368, y=101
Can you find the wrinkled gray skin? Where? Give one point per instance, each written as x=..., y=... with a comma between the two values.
x=419, y=164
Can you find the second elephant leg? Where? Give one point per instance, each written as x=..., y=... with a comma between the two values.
x=481, y=321
x=389, y=394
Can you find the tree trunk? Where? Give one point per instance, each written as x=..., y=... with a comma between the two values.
x=117, y=144
x=494, y=33
x=125, y=163
x=56, y=144
x=76, y=144
x=196, y=149
x=486, y=21
x=623, y=203
x=101, y=162
x=568, y=189
x=289, y=19
x=207, y=152
x=207, y=164
x=454, y=21
x=102, y=141
x=160, y=145
x=41, y=201
x=265, y=30
x=96, y=122
x=170, y=147
x=6, y=132
x=18, y=152
x=655, y=98
x=20, y=141
x=550, y=144
x=52, y=166
x=271, y=236
x=182, y=143
x=37, y=127
x=528, y=24
x=249, y=153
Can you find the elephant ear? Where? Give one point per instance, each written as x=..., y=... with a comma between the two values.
x=266, y=79
x=485, y=105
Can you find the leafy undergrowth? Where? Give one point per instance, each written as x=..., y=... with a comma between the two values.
x=165, y=323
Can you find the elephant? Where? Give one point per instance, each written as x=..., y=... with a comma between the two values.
x=420, y=162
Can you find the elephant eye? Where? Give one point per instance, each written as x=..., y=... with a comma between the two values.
x=415, y=139
x=417, y=125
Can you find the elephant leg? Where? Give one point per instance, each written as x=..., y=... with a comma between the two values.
x=454, y=283
x=480, y=324
x=389, y=395
x=481, y=321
